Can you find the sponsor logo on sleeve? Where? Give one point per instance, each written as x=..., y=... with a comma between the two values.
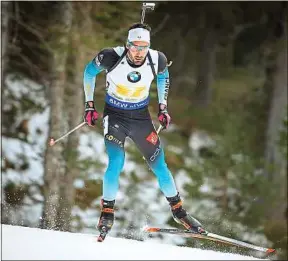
x=167, y=84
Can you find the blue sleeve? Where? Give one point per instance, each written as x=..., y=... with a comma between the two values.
x=89, y=79
x=163, y=84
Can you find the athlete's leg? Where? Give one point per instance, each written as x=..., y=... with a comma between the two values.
x=145, y=137
x=147, y=140
x=114, y=135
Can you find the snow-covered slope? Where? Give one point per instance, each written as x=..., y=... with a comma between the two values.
x=36, y=244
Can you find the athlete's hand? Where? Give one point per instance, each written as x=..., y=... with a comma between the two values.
x=91, y=115
x=163, y=116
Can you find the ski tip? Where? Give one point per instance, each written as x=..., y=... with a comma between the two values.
x=152, y=229
x=270, y=250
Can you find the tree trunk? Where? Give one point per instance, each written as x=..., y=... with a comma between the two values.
x=75, y=109
x=54, y=164
x=225, y=187
x=206, y=65
x=277, y=112
x=5, y=11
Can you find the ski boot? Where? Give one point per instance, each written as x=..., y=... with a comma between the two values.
x=106, y=219
x=181, y=216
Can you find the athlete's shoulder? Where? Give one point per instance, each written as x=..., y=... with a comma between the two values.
x=107, y=57
x=162, y=57
x=119, y=50
x=162, y=60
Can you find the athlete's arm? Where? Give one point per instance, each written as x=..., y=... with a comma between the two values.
x=104, y=60
x=163, y=82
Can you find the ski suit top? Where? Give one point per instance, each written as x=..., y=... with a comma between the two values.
x=127, y=85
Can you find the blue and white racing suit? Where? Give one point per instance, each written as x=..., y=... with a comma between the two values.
x=126, y=112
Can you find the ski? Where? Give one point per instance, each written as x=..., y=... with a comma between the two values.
x=210, y=236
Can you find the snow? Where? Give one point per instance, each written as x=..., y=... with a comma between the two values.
x=18, y=151
x=87, y=216
x=200, y=139
x=174, y=149
x=182, y=179
x=23, y=243
x=91, y=144
x=14, y=150
x=22, y=87
x=38, y=130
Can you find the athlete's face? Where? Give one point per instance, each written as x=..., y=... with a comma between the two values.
x=137, y=51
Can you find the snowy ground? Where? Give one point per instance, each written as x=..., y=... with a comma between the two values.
x=22, y=243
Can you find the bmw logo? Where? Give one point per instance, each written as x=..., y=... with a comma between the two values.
x=134, y=77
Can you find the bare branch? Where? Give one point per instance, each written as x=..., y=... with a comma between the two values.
x=34, y=32
x=161, y=25
x=17, y=18
x=33, y=66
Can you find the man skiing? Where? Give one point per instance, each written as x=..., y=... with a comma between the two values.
x=129, y=73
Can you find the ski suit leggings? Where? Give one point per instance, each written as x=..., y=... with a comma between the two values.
x=136, y=124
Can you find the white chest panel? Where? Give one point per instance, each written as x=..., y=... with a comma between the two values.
x=128, y=87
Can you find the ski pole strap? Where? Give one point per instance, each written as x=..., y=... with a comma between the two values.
x=151, y=64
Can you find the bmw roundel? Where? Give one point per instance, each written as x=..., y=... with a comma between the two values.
x=134, y=77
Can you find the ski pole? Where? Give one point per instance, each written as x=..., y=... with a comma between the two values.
x=52, y=141
x=159, y=129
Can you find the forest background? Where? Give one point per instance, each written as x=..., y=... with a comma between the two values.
x=227, y=146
